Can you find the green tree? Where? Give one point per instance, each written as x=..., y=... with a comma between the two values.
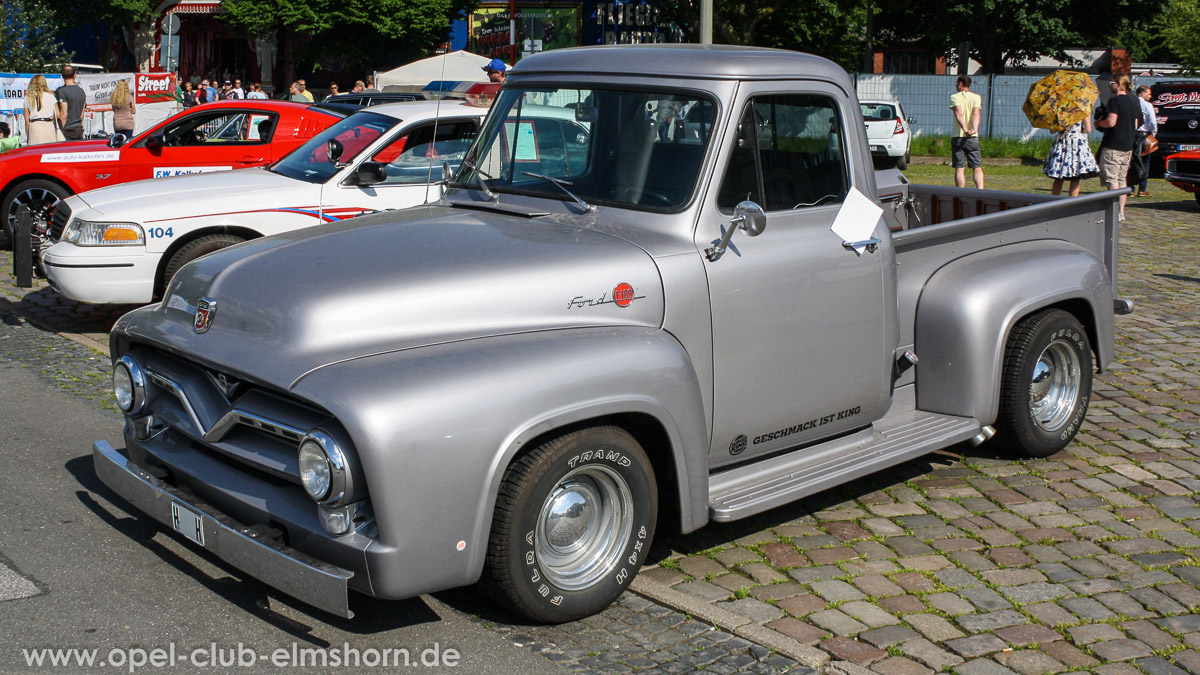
x=831, y=28
x=29, y=42
x=1179, y=27
x=354, y=34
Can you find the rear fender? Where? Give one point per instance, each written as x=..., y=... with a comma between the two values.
x=968, y=308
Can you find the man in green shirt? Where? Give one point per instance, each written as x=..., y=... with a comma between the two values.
x=7, y=140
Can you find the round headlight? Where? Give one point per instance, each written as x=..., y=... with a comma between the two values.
x=315, y=471
x=129, y=385
x=122, y=387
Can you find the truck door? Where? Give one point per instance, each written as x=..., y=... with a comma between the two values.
x=798, y=321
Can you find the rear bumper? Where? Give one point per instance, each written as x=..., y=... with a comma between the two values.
x=319, y=584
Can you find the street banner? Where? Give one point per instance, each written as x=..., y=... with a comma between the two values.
x=154, y=88
x=99, y=87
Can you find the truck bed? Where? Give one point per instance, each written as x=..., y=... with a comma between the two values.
x=933, y=225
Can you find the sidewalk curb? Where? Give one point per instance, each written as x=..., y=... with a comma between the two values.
x=84, y=340
x=729, y=621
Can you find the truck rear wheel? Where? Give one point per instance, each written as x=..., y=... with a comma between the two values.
x=1047, y=382
x=573, y=524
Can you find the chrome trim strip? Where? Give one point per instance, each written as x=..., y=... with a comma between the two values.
x=303, y=577
x=231, y=418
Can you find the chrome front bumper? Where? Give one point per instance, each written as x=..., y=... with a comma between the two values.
x=319, y=584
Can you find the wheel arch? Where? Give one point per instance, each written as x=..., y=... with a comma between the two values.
x=235, y=230
x=966, y=314
x=12, y=183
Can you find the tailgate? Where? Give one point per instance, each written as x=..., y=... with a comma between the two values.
x=881, y=130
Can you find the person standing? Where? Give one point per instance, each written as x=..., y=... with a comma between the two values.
x=123, y=109
x=497, y=70
x=302, y=87
x=71, y=100
x=41, y=112
x=256, y=92
x=333, y=90
x=1119, y=120
x=1071, y=158
x=295, y=94
x=189, y=96
x=964, y=145
x=371, y=86
x=237, y=90
x=1149, y=127
x=358, y=87
x=226, y=91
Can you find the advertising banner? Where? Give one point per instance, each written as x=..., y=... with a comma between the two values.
x=539, y=28
x=154, y=88
x=99, y=87
x=14, y=86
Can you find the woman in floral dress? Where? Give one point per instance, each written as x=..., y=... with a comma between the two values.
x=1071, y=158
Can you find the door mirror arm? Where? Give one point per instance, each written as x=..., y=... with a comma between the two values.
x=747, y=216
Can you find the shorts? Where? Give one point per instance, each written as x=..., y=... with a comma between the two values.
x=964, y=151
x=1114, y=164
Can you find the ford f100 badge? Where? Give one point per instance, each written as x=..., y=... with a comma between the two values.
x=205, y=309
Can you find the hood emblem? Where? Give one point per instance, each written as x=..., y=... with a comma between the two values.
x=205, y=309
x=622, y=296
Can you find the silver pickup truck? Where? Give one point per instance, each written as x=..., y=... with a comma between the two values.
x=644, y=325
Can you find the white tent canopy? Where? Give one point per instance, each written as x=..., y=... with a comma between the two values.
x=460, y=66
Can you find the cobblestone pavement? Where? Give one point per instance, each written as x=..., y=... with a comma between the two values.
x=960, y=561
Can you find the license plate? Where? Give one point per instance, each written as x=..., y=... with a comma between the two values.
x=187, y=522
x=1188, y=147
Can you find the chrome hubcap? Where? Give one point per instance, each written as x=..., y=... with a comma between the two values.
x=583, y=526
x=41, y=205
x=1054, y=388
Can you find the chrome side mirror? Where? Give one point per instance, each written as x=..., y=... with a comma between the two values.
x=747, y=216
x=116, y=140
x=447, y=173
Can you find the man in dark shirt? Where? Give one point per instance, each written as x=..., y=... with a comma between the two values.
x=1119, y=122
x=71, y=100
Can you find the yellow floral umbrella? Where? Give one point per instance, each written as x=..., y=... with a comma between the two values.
x=1060, y=99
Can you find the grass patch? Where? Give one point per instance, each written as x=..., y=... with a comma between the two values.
x=939, y=146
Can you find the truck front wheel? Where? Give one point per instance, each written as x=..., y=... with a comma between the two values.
x=1047, y=382
x=573, y=524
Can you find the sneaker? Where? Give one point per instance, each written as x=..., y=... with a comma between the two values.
x=1121, y=218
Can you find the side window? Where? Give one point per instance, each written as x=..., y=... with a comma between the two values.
x=788, y=154
x=416, y=157
x=220, y=128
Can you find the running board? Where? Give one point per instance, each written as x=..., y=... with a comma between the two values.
x=764, y=485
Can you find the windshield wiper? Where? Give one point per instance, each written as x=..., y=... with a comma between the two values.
x=480, y=174
x=562, y=185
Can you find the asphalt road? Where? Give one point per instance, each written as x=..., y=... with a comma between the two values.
x=79, y=570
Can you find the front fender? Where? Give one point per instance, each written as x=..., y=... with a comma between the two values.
x=968, y=308
x=435, y=428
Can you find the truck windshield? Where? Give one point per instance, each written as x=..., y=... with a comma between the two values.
x=311, y=163
x=640, y=149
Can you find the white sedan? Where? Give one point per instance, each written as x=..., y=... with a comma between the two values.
x=124, y=243
x=888, y=131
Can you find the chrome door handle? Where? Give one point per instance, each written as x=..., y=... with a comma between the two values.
x=871, y=245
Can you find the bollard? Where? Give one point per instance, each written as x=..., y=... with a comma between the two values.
x=23, y=248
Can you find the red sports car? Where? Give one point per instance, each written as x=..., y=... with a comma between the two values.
x=1183, y=171
x=214, y=137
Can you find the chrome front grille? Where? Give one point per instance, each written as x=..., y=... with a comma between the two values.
x=250, y=425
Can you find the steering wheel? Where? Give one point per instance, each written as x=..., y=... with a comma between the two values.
x=200, y=135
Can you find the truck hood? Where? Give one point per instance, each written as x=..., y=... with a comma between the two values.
x=292, y=303
x=198, y=194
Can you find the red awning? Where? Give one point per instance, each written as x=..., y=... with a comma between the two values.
x=195, y=7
